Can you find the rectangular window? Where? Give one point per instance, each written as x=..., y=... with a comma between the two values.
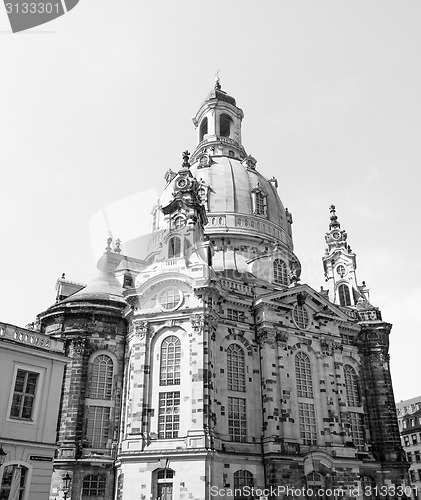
x=97, y=426
x=237, y=419
x=169, y=415
x=235, y=315
x=409, y=457
x=417, y=456
x=406, y=441
x=414, y=438
x=24, y=395
x=260, y=200
x=357, y=430
x=412, y=475
x=307, y=418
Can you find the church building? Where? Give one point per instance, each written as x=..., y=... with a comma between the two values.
x=205, y=368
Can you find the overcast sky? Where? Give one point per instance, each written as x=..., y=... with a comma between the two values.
x=96, y=106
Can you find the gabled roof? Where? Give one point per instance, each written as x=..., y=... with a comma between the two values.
x=325, y=307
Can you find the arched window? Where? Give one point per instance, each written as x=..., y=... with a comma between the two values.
x=303, y=375
x=300, y=316
x=174, y=248
x=13, y=482
x=170, y=361
x=236, y=368
x=280, y=274
x=351, y=386
x=315, y=485
x=225, y=125
x=203, y=129
x=163, y=484
x=93, y=486
x=344, y=296
x=101, y=382
x=242, y=478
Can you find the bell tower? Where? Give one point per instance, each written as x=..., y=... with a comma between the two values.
x=218, y=126
x=340, y=263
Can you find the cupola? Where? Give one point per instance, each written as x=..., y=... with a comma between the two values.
x=218, y=126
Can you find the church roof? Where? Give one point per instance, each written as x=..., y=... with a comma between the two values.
x=105, y=286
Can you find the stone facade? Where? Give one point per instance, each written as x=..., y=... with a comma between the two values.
x=227, y=372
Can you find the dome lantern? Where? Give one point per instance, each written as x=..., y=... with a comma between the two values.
x=218, y=126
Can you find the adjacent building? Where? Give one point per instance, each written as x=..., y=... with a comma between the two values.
x=205, y=368
x=409, y=417
x=32, y=366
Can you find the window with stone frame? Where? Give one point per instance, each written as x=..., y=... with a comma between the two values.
x=300, y=316
x=344, y=295
x=357, y=429
x=169, y=415
x=101, y=380
x=260, y=203
x=351, y=386
x=242, y=479
x=280, y=272
x=170, y=298
x=94, y=486
x=97, y=426
x=203, y=128
x=203, y=195
x=15, y=474
x=24, y=392
x=170, y=362
x=174, y=248
x=225, y=125
x=178, y=222
x=236, y=371
x=235, y=315
x=303, y=375
x=237, y=419
x=163, y=484
x=307, y=421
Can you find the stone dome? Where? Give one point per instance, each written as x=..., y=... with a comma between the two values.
x=246, y=217
x=105, y=287
x=229, y=188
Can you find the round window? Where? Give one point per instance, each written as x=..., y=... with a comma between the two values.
x=182, y=183
x=300, y=316
x=341, y=270
x=170, y=299
x=179, y=222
